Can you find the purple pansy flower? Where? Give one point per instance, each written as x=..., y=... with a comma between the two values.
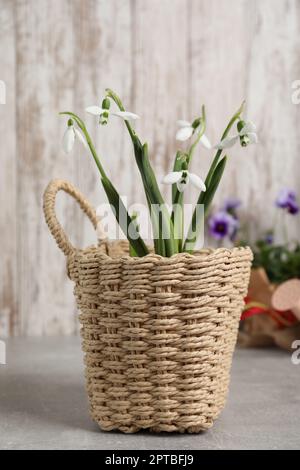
x=286, y=199
x=221, y=225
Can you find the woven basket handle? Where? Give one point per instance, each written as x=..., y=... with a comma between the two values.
x=49, y=210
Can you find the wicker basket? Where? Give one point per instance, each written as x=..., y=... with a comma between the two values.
x=158, y=333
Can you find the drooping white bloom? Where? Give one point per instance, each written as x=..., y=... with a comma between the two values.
x=247, y=133
x=186, y=130
x=182, y=180
x=70, y=135
x=97, y=111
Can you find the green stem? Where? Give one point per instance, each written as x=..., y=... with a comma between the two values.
x=224, y=135
x=123, y=218
x=285, y=230
x=177, y=164
x=199, y=135
x=205, y=198
x=81, y=125
x=156, y=199
x=111, y=94
x=137, y=243
x=215, y=172
x=177, y=216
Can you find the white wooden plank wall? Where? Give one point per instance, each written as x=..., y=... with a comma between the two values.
x=165, y=58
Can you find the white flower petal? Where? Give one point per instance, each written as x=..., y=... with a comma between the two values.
x=80, y=137
x=184, y=133
x=248, y=127
x=204, y=141
x=126, y=115
x=226, y=143
x=172, y=177
x=252, y=136
x=182, y=123
x=95, y=110
x=181, y=185
x=197, y=181
x=68, y=139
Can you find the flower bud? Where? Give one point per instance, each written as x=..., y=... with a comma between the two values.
x=106, y=103
x=196, y=123
x=184, y=166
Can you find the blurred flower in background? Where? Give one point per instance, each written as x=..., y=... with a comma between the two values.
x=222, y=225
x=269, y=237
x=229, y=225
x=286, y=199
x=274, y=250
x=231, y=204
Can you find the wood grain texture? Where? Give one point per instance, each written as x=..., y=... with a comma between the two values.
x=165, y=58
x=8, y=177
x=44, y=58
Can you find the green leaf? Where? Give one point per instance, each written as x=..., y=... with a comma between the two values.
x=124, y=219
x=163, y=223
x=134, y=217
x=280, y=262
x=205, y=198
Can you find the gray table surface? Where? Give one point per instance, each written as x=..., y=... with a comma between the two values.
x=43, y=403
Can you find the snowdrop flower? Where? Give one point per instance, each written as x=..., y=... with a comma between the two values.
x=187, y=129
x=104, y=112
x=70, y=135
x=246, y=134
x=182, y=179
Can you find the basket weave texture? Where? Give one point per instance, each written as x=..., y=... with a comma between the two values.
x=158, y=333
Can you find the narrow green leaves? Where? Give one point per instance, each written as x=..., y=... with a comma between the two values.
x=161, y=220
x=126, y=223
x=167, y=228
x=134, y=216
x=205, y=198
x=159, y=211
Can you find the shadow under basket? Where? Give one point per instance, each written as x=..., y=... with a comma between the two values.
x=158, y=333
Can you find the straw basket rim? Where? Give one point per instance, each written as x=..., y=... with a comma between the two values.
x=205, y=253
